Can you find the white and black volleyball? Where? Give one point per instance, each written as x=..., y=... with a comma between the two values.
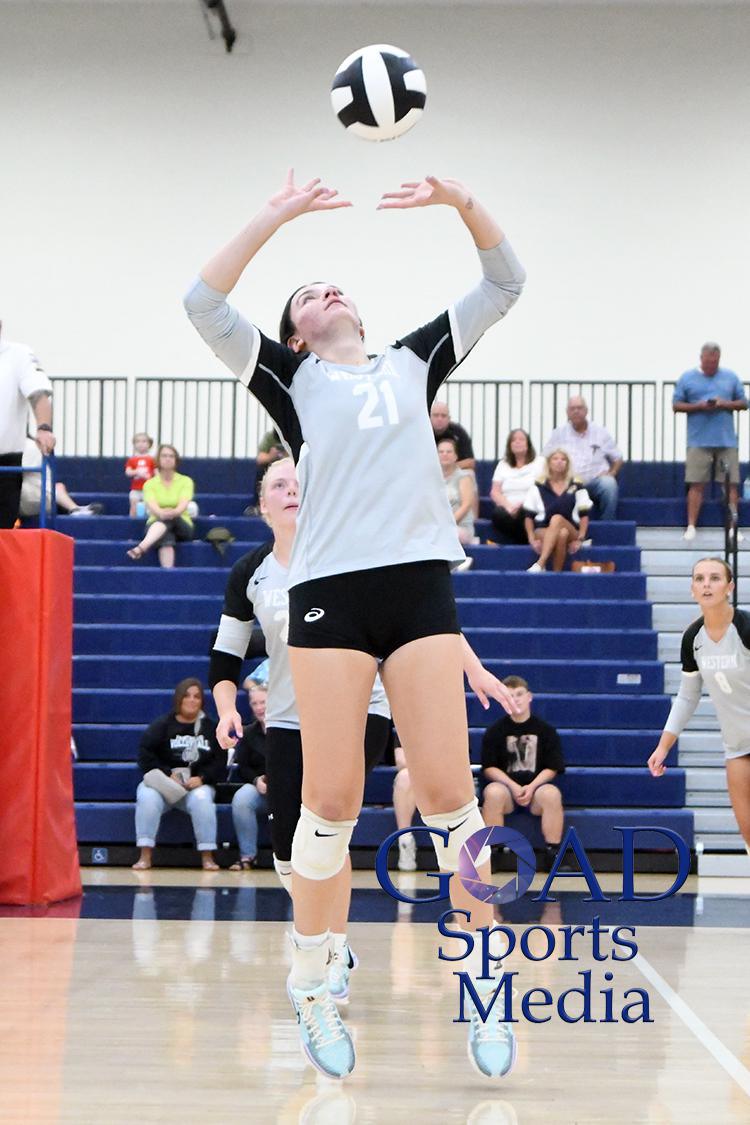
x=379, y=92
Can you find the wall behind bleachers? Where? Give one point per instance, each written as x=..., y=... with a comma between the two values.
x=608, y=137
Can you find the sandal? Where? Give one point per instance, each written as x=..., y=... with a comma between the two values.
x=135, y=553
x=243, y=865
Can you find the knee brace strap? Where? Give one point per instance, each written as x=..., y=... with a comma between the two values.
x=320, y=847
x=459, y=824
x=284, y=872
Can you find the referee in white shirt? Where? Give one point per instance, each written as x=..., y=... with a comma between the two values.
x=23, y=383
x=596, y=458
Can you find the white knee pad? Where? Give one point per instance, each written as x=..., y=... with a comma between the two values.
x=459, y=824
x=284, y=872
x=320, y=847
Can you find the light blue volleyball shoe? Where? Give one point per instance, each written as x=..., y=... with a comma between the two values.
x=324, y=1038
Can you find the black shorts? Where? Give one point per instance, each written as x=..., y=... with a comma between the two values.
x=178, y=531
x=374, y=611
x=284, y=775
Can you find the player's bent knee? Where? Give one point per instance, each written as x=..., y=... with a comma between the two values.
x=320, y=847
x=460, y=824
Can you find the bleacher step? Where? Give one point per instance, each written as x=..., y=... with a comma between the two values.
x=700, y=780
x=680, y=563
x=707, y=540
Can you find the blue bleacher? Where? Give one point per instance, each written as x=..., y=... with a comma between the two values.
x=585, y=642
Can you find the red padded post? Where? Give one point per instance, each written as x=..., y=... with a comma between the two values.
x=38, y=850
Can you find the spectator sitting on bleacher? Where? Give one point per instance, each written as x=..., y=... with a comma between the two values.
x=596, y=458
x=521, y=757
x=169, y=501
x=181, y=762
x=556, y=513
x=248, y=764
x=513, y=477
x=461, y=487
x=139, y=468
x=31, y=490
x=270, y=449
x=443, y=427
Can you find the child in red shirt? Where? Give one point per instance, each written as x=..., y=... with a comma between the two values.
x=140, y=468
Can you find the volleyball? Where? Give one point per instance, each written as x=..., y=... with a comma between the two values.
x=379, y=92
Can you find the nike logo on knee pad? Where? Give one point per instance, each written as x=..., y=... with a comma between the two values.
x=453, y=827
x=325, y=833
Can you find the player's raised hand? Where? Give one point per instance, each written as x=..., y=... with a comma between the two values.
x=424, y=193
x=293, y=200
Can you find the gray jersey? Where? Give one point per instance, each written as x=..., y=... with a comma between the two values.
x=258, y=590
x=723, y=668
x=372, y=491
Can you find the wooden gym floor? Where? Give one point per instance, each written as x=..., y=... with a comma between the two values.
x=160, y=998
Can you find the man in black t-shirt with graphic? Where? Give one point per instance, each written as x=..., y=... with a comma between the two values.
x=521, y=757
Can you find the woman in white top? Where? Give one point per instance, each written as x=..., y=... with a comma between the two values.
x=461, y=487
x=511, y=480
x=556, y=513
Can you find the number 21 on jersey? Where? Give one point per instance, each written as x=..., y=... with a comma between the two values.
x=380, y=401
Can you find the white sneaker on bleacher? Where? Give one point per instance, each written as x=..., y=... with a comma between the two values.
x=689, y=533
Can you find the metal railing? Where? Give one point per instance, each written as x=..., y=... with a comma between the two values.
x=47, y=467
x=92, y=415
x=219, y=418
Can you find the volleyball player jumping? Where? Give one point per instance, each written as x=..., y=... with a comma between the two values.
x=369, y=577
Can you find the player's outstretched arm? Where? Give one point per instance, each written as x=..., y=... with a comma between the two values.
x=224, y=270
x=449, y=193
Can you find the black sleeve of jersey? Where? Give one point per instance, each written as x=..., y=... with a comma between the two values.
x=151, y=749
x=223, y=666
x=271, y=383
x=227, y=665
x=552, y=754
x=741, y=622
x=687, y=655
x=494, y=752
x=433, y=343
x=236, y=601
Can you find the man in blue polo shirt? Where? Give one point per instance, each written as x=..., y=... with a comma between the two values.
x=709, y=395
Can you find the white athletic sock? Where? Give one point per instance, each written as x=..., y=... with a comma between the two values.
x=310, y=954
x=338, y=943
x=747, y=848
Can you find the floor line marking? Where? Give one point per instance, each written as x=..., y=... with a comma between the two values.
x=724, y=1057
